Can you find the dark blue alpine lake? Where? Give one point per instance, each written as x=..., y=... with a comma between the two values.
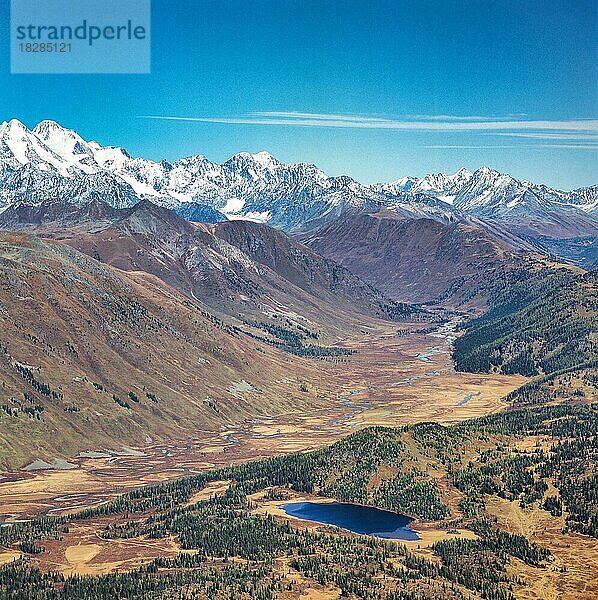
x=365, y=520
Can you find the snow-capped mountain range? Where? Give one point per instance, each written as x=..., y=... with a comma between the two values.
x=50, y=162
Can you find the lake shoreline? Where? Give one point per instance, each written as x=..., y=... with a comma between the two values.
x=357, y=518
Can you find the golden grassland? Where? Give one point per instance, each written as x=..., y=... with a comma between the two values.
x=573, y=568
x=570, y=572
x=384, y=383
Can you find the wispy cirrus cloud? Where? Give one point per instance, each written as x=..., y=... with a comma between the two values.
x=508, y=123
x=366, y=119
x=457, y=118
x=291, y=115
x=571, y=135
x=512, y=147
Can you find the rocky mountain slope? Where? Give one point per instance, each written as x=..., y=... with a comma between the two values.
x=419, y=260
x=240, y=269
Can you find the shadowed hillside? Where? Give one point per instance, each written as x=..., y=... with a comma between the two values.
x=417, y=260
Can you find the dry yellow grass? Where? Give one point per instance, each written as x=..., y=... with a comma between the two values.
x=81, y=554
x=323, y=593
x=7, y=556
x=572, y=571
x=430, y=534
x=214, y=488
x=308, y=588
x=384, y=383
x=83, y=551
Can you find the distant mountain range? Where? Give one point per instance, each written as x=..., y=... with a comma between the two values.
x=50, y=162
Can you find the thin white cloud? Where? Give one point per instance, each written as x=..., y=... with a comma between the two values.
x=318, y=116
x=569, y=146
x=566, y=146
x=467, y=147
x=592, y=137
x=433, y=123
x=458, y=118
x=365, y=119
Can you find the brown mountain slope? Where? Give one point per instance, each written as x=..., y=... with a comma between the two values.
x=93, y=357
x=419, y=260
x=238, y=268
x=301, y=266
x=30, y=216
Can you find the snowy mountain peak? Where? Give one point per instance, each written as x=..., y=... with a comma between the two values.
x=14, y=125
x=486, y=173
x=461, y=175
x=109, y=157
x=65, y=142
x=404, y=184
x=19, y=147
x=439, y=185
x=46, y=127
x=13, y=130
x=265, y=158
x=53, y=162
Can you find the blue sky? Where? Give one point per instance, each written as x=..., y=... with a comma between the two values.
x=375, y=90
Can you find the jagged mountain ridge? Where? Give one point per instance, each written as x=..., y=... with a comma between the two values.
x=235, y=267
x=52, y=162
